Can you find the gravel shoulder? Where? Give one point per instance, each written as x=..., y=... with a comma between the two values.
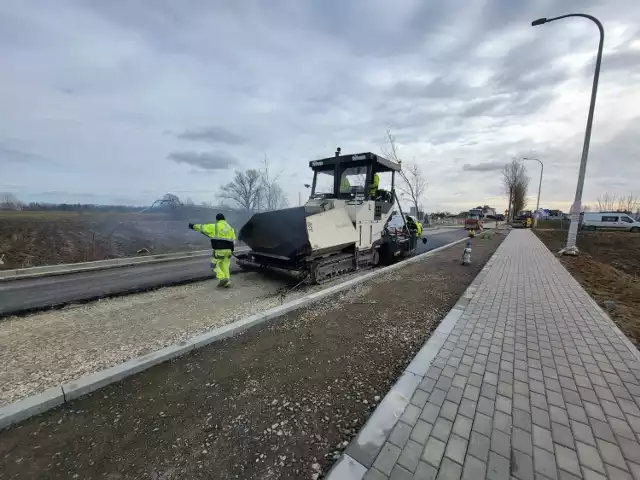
x=279, y=401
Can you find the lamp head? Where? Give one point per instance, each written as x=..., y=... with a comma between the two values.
x=540, y=21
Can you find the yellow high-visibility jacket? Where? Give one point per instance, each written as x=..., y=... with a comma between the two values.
x=419, y=226
x=374, y=185
x=222, y=234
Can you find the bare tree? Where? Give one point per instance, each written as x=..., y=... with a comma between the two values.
x=520, y=194
x=629, y=203
x=8, y=201
x=245, y=190
x=273, y=196
x=414, y=181
x=606, y=202
x=516, y=182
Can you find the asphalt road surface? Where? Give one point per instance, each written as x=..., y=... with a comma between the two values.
x=30, y=295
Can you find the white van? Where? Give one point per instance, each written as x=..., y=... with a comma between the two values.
x=610, y=221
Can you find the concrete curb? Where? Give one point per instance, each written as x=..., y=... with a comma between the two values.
x=67, y=268
x=361, y=452
x=36, y=404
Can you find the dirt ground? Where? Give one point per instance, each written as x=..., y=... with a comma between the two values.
x=609, y=269
x=278, y=402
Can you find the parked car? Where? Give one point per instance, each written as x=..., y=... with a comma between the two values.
x=610, y=221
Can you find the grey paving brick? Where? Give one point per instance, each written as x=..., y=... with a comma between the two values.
x=456, y=449
x=630, y=449
x=571, y=397
x=589, y=457
x=614, y=473
x=425, y=472
x=522, y=419
x=567, y=460
x=410, y=455
x=558, y=415
x=521, y=466
x=474, y=469
x=459, y=381
x=467, y=408
x=442, y=429
x=455, y=394
x=400, y=473
x=602, y=430
x=577, y=413
x=544, y=463
x=374, y=474
x=540, y=417
x=400, y=434
x=562, y=434
x=521, y=440
x=449, y=410
x=589, y=474
x=505, y=389
x=433, y=373
x=462, y=426
x=536, y=386
x=611, y=409
x=486, y=406
x=501, y=443
x=420, y=432
x=411, y=414
x=430, y=412
x=498, y=467
x=420, y=398
x=538, y=400
x=437, y=396
x=479, y=446
x=502, y=421
x=554, y=398
x=433, y=452
x=583, y=432
x=634, y=423
x=387, y=458
x=449, y=470
x=542, y=438
x=489, y=391
x=483, y=424
x=427, y=384
x=611, y=454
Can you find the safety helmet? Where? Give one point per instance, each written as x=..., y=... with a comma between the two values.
x=219, y=217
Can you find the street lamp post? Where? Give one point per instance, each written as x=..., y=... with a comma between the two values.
x=535, y=219
x=576, y=207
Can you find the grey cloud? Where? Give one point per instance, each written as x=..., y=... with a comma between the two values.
x=484, y=167
x=213, y=135
x=204, y=160
x=438, y=88
x=14, y=155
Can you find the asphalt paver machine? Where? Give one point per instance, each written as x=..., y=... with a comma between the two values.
x=343, y=227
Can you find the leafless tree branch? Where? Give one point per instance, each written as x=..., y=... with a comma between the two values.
x=414, y=181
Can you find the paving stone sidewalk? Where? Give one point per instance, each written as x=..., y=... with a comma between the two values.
x=533, y=382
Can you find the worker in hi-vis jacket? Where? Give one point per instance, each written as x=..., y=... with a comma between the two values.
x=222, y=236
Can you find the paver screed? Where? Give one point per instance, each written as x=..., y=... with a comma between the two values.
x=533, y=382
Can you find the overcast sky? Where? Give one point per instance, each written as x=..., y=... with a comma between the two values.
x=124, y=100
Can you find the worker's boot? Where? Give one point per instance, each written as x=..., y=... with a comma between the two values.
x=224, y=283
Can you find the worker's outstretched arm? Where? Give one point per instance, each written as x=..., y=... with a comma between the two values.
x=206, y=229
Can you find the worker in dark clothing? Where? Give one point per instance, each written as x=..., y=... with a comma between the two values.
x=222, y=236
